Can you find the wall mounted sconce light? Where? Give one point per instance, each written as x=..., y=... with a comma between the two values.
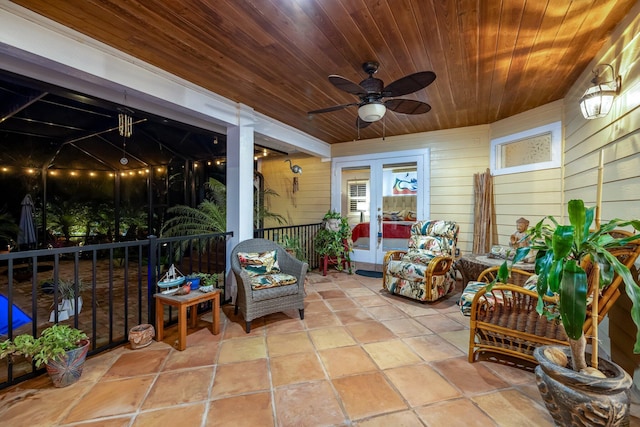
x=597, y=100
x=294, y=168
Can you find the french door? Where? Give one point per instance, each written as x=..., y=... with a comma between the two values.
x=381, y=195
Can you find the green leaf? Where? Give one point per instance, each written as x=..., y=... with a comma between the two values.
x=542, y=268
x=503, y=273
x=556, y=272
x=562, y=241
x=577, y=218
x=573, y=299
x=633, y=292
x=521, y=253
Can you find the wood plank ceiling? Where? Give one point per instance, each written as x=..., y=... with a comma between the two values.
x=492, y=58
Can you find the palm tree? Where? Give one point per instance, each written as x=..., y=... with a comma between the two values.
x=211, y=215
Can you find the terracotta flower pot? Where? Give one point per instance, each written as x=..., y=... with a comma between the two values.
x=578, y=399
x=141, y=336
x=67, y=369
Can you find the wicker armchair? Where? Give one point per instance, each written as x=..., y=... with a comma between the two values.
x=255, y=299
x=421, y=271
x=504, y=321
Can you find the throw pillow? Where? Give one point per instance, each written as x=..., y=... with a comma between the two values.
x=255, y=263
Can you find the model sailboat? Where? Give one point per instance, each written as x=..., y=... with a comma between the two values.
x=171, y=280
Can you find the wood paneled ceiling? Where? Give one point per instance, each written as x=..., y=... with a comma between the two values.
x=492, y=58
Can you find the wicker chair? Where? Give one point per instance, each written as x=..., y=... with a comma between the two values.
x=518, y=277
x=254, y=303
x=421, y=271
x=504, y=321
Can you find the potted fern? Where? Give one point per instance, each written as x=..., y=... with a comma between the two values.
x=61, y=348
x=562, y=250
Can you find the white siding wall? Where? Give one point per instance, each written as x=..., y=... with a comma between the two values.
x=456, y=155
x=313, y=198
x=618, y=136
x=528, y=194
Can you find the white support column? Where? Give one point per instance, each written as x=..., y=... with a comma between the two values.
x=240, y=151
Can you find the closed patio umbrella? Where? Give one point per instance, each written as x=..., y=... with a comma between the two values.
x=27, y=237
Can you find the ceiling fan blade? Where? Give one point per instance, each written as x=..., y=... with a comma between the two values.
x=347, y=85
x=334, y=108
x=407, y=106
x=409, y=84
x=361, y=124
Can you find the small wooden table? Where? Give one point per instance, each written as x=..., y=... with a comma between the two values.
x=182, y=302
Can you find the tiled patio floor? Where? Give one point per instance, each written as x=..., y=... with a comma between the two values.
x=360, y=357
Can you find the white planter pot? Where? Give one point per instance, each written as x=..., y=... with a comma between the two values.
x=66, y=309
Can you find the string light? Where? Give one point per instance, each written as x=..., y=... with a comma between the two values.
x=78, y=173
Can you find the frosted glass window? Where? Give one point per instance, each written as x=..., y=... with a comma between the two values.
x=534, y=149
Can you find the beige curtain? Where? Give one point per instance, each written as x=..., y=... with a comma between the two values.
x=485, y=233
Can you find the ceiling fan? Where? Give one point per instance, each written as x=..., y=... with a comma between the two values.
x=371, y=92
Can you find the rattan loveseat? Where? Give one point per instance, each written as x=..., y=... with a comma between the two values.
x=505, y=327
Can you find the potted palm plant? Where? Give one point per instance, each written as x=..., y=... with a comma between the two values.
x=61, y=348
x=293, y=246
x=67, y=306
x=561, y=252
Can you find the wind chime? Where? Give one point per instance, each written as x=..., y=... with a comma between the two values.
x=125, y=128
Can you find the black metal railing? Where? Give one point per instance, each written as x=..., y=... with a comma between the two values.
x=113, y=286
x=304, y=234
x=112, y=289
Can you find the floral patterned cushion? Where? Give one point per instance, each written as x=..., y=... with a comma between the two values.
x=472, y=288
x=439, y=236
x=418, y=289
x=433, y=245
x=265, y=281
x=255, y=263
x=393, y=216
x=408, y=276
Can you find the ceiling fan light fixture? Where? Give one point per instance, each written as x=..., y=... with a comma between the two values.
x=598, y=100
x=372, y=112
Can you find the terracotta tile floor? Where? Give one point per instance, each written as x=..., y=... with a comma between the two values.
x=360, y=357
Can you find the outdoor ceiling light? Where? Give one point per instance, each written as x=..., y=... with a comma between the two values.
x=597, y=100
x=372, y=112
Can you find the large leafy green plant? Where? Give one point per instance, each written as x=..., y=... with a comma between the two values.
x=561, y=250
x=54, y=341
x=331, y=243
x=211, y=215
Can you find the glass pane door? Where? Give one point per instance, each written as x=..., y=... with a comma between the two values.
x=399, y=205
x=381, y=198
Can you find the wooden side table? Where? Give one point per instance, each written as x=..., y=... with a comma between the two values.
x=182, y=302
